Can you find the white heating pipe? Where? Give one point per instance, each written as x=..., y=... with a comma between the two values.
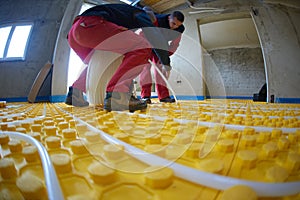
x=52, y=183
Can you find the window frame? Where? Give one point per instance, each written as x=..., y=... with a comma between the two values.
x=10, y=37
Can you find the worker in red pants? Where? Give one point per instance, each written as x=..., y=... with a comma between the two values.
x=167, y=21
x=110, y=27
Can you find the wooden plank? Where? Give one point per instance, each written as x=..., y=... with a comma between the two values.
x=39, y=80
x=164, y=5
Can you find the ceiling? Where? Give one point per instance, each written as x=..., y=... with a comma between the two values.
x=238, y=32
x=234, y=33
x=158, y=6
x=162, y=5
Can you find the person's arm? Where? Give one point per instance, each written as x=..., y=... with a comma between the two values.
x=154, y=36
x=175, y=42
x=174, y=45
x=151, y=14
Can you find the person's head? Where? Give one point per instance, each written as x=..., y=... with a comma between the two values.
x=176, y=19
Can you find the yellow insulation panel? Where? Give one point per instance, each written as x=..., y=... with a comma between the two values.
x=186, y=150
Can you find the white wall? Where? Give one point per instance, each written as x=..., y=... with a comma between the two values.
x=186, y=75
x=62, y=50
x=279, y=28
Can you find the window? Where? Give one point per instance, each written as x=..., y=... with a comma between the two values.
x=13, y=41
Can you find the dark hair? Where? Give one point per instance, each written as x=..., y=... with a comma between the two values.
x=179, y=15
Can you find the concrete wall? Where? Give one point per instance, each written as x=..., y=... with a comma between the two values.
x=279, y=31
x=17, y=77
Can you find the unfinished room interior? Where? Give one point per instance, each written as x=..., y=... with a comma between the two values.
x=150, y=99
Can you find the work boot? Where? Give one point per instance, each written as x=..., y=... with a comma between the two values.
x=118, y=101
x=147, y=100
x=75, y=98
x=167, y=100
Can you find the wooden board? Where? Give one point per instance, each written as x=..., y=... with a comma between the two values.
x=39, y=80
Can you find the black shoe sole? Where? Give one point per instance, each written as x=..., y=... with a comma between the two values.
x=117, y=107
x=167, y=101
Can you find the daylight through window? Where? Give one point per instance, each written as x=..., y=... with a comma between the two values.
x=13, y=41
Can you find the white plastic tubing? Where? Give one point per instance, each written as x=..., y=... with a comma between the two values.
x=215, y=181
x=52, y=183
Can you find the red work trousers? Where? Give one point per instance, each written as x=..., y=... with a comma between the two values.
x=90, y=33
x=146, y=81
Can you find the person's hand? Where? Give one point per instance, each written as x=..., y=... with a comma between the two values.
x=166, y=74
x=166, y=70
x=123, y=28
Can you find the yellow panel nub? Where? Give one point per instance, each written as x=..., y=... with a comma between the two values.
x=276, y=133
x=247, y=158
x=30, y=153
x=35, y=135
x=3, y=126
x=156, y=149
x=249, y=131
x=113, y=151
x=263, y=137
x=49, y=122
x=50, y=130
x=7, y=168
x=248, y=140
x=69, y=133
x=158, y=177
x=225, y=145
x=31, y=186
x=270, y=149
x=122, y=136
x=11, y=128
x=92, y=136
x=63, y=125
x=36, y=127
x=183, y=138
x=239, y=192
x=101, y=174
x=153, y=139
x=277, y=174
x=193, y=150
x=26, y=125
x=53, y=142
x=211, y=165
x=15, y=146
x=293, y=161
x=21, y=130
x=62, y=163
x=283, y=143
x=78, y=147
x=2, y=104
x=4, y=139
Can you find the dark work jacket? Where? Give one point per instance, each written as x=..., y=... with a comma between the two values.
x=170, y=35
x=133, y=18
